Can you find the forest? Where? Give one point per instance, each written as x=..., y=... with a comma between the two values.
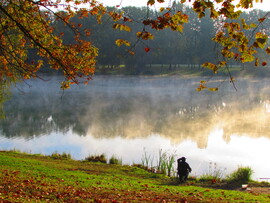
x=168, y=52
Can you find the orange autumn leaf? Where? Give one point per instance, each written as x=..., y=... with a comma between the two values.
x=151, y=2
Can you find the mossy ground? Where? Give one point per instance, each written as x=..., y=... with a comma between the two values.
x=37, y=178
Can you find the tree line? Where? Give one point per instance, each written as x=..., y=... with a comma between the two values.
x=168, y=51
x=67, y=37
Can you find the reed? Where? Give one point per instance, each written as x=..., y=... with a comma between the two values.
x=214, y=173
x=169, y=164
x=165, y=162
x=161, y=167
x=147, y=160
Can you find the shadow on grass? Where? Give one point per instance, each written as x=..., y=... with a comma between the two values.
x=224, y=185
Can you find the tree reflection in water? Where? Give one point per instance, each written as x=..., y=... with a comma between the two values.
x=139, y=107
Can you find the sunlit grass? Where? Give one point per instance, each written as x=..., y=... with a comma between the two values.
x=37, y=178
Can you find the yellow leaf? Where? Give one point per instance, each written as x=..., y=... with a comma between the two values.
x=161, y=9
x=247, y=57
x=253, y=25
x=222, y=63
x=120, y=42
x=213, y=89
x=122, y=27
x=211, y=66
x=145, y=35
x=203, y=82
x=126, y=28
x=65, y=85
x=256, y=62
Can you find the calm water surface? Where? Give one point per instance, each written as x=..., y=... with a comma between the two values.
x=130, y=116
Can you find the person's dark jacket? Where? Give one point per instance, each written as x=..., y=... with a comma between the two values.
x=183, y=167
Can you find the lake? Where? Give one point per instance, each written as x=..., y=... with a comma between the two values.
x=129, y=117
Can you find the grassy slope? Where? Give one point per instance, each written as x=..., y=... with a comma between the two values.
x=25, y=177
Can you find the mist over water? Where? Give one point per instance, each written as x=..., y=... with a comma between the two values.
x=124, y=116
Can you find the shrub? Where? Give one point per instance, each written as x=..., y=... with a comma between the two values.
x=242, y=174
x=61, y=156
x=97, y=158
x=115, y=160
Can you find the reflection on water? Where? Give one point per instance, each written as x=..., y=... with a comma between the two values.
x=123, y=115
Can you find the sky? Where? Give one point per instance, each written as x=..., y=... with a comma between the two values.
x=263, y=6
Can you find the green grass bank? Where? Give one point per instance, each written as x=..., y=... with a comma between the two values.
x=38, y=178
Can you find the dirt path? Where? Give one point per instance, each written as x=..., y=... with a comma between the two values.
x=259, y=190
